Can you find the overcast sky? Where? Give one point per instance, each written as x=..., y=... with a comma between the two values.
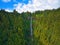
x=28, y=5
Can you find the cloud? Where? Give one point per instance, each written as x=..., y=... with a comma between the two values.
x=52, y=1
x=6, y=0
x=35, y=5
x=8, y=10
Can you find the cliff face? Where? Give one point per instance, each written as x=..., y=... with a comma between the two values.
x=15, y=28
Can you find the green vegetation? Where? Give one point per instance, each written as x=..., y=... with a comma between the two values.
x=15, y=28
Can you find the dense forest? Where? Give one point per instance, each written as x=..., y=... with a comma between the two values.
x=15, y=28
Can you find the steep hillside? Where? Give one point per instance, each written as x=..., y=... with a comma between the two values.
x=15, y=28
x=46, y=27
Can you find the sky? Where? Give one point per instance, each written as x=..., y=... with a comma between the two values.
x=28, y=5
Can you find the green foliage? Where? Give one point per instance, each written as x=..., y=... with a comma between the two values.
x=46, y=27
x=15, y=28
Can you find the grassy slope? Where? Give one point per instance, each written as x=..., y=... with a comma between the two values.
x=15, y=28
x=46, y=27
